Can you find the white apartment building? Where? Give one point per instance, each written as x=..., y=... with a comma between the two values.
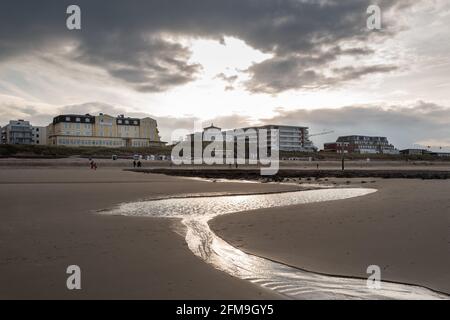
x=287, y=138
x=16, y=132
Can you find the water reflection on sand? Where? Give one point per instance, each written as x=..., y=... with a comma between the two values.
x=291, y=282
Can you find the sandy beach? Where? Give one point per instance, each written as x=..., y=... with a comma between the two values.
x=403, y=228
x=48, y=223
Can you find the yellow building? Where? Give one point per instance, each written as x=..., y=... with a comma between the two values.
x=102, y=131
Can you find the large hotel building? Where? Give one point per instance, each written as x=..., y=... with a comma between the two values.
x=103, y=131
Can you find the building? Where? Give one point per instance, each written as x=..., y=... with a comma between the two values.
x=102, y=131
x=39, y=135
x=361, y=144
x=210, y=133
x=336, y=147
x=421, y=152
x=414, y=152
x=288, y=138
x=441, y=154
x=17, y=132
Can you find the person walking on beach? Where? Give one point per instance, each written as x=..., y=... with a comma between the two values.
x=139, y=164
x=92, y=164
x=134, y=163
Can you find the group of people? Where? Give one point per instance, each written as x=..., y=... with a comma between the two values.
x=137, y=164
x=93, y=164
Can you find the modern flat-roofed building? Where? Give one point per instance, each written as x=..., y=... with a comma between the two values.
x=103, y=131
x=16, y=132
x=361, y=144
x=414, y=152
x=420, y=152
x=39, y=135
x=288, y=138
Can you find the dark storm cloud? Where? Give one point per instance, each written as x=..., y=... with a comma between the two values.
x=147, y=63
x=352, y=73
x=136, y=41
x=300, y=71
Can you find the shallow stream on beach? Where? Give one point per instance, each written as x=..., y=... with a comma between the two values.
x=195, y=212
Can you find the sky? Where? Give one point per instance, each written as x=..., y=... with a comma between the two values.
x=234, y=63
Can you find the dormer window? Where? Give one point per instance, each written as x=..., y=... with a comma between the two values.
x=77, y=119
x=135, y=122
x=67, y=118
x=119, y=121
x=127, y=122
x=87, y=120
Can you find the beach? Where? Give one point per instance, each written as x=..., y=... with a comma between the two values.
x=49, y=221
x=403, y=228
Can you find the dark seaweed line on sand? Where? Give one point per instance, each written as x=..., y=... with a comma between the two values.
x=255, y=174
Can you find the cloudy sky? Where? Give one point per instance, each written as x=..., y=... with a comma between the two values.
x=234, y=63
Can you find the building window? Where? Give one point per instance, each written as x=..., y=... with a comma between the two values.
x=77, y=119
x=119, y=121
x=135, y=122
x=127, y=122
x=67, y=118
x=87, y=120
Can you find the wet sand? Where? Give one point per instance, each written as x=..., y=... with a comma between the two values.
x=403, y=228
x=47, y=224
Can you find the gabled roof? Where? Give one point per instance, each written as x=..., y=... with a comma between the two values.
x=211, y=127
